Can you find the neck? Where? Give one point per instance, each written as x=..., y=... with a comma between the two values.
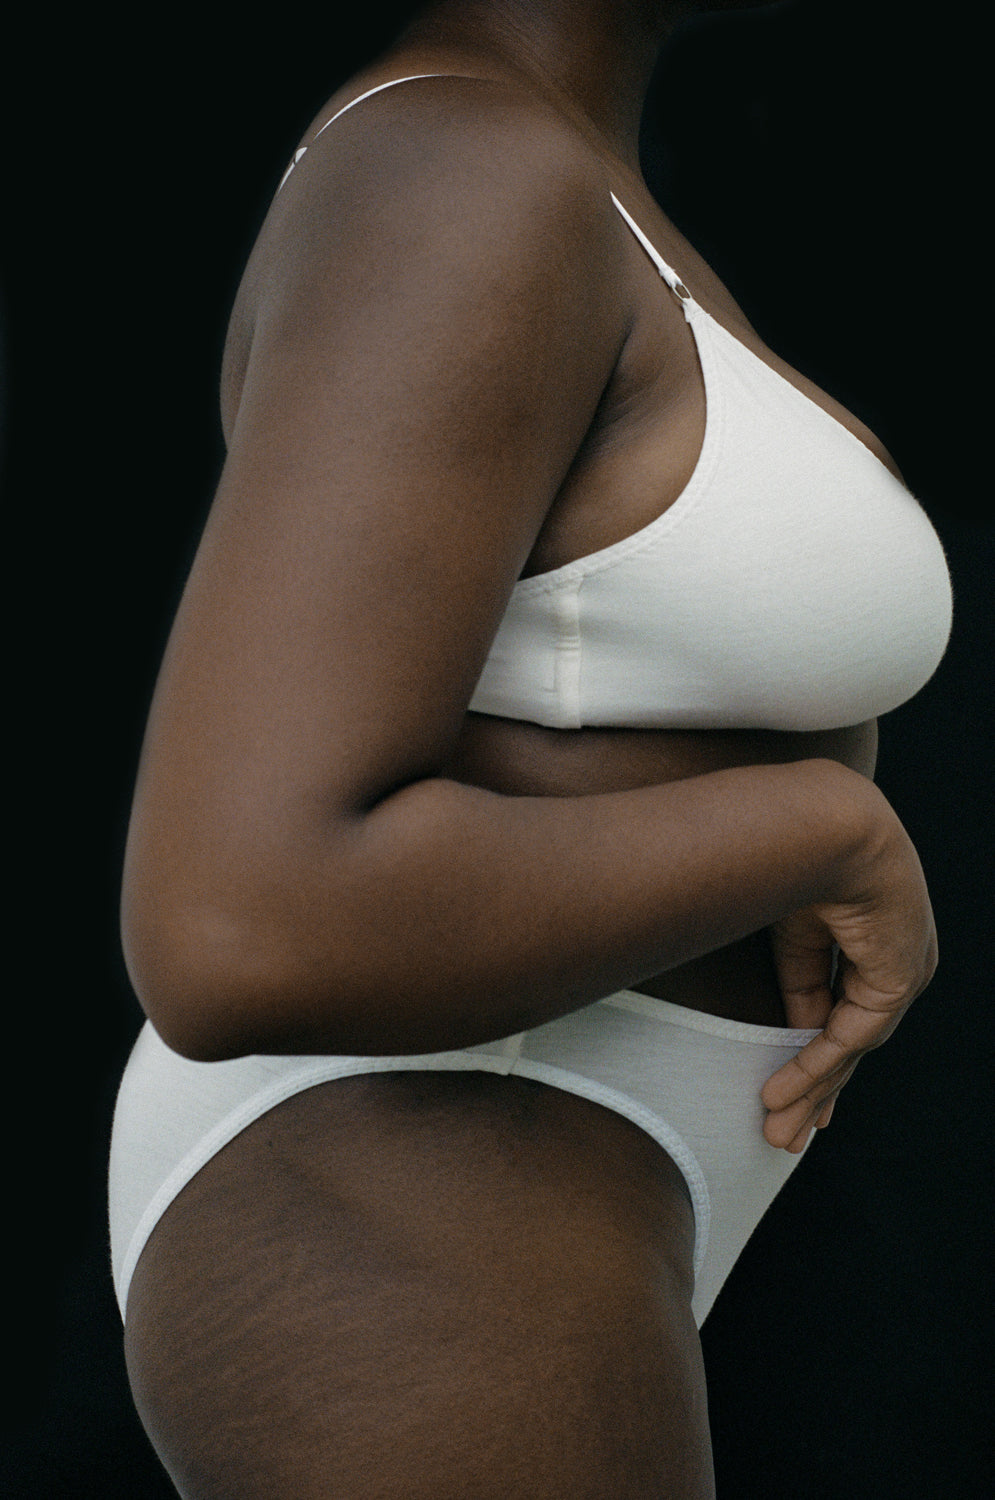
x=592, y=58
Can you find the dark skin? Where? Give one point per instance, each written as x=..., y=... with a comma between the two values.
x=422, y=402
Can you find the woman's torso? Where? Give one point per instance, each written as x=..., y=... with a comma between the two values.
x=636, y=460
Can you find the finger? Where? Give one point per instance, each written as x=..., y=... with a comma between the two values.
x=804, y=957
x=784, y=1126
x=818, y=1069
x=790, y=1129
x=814, y=1108
x=801, y=1140
x=786, y=1135
x=807, y=1009
x=852, y=1030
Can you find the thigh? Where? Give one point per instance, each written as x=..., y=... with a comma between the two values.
x=423, y=1286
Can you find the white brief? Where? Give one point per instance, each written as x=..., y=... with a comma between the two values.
x=691, y=1080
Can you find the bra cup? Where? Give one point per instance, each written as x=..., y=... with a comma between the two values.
x=793, y=584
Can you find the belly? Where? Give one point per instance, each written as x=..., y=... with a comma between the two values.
x=519, y=759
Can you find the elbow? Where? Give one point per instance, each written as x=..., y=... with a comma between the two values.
x=195, y=999
x=211, y=988
x=248, y=937
x=234, y=952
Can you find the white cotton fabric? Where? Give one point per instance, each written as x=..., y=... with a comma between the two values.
x=691, y=1081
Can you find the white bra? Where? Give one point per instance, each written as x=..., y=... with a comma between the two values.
x=794, y=584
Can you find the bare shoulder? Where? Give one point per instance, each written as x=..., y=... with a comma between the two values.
x=429, y=149
x=458, y=180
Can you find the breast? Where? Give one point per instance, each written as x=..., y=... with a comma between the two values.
x=795, y=584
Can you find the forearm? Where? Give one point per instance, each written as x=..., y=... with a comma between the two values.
x=447, y=915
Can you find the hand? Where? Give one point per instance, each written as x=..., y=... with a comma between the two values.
x=852, y=968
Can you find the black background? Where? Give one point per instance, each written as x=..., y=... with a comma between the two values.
x=824, y=157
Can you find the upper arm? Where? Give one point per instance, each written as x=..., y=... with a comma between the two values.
x=435, y=319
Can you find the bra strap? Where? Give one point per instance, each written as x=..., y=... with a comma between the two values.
x=668, y=273
x=302, y=150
